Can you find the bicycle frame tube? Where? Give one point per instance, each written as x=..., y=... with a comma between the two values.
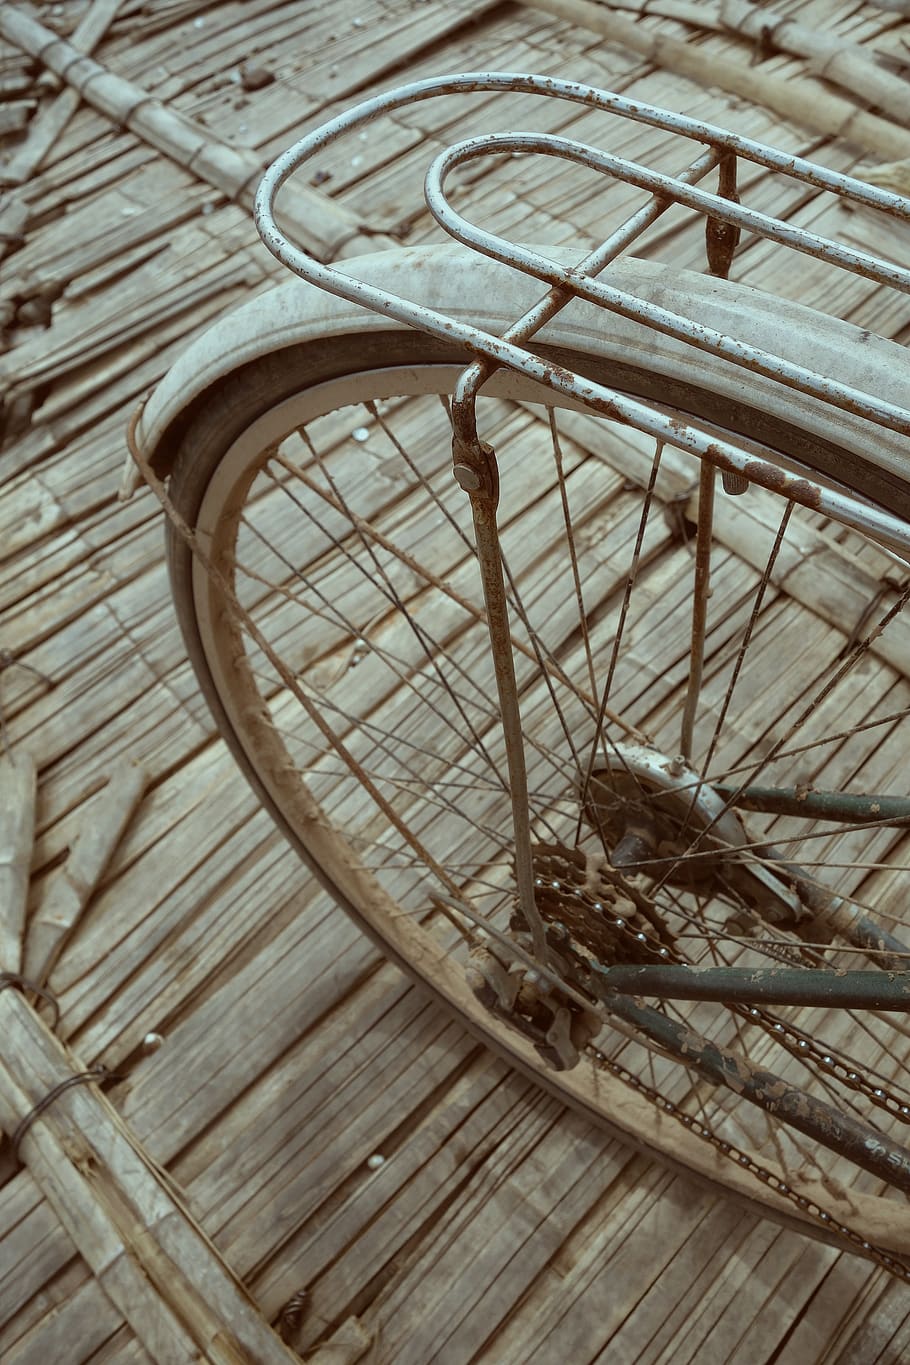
x=843, y=807
x=764, y=985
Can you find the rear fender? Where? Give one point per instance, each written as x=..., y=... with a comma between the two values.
x=491, y=296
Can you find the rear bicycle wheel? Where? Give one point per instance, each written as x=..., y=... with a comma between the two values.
x=332, y=610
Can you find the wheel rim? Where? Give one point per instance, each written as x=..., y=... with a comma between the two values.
x=322, y=665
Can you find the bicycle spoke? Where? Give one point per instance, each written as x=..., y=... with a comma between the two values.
x=573, y=553
x=747, y=637
x=599, y=739
x=379, y=612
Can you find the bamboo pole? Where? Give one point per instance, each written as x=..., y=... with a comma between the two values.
x=123, y=1214
x=320, y=226
x=139, y=1240
x=50, y=123
x=890, y=175
x=693, y=12
x=17, y=835
x=835, y=59
x=807, y=102
x=52, y=926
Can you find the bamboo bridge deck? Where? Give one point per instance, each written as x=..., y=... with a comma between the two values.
x=262, y=1051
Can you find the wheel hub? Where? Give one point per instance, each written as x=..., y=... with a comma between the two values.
x=656, y=815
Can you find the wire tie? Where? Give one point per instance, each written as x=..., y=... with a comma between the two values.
x=22, y=983
x=97, y=1073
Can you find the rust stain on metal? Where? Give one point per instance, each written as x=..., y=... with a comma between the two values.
x=779, y=481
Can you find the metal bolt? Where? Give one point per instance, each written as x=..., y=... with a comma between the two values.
x=466, y=477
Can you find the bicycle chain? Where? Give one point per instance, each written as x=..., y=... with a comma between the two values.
x=892, y=1264
x=643, y=942
x=805, y=1046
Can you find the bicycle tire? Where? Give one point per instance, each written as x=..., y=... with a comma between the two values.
x=227, y=411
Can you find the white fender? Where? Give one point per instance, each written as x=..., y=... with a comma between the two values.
x=478, y=290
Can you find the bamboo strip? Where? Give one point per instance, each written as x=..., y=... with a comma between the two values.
x=320, y=225
x=808, y=103
x=53, y=925
x=17, y=834
x=51, y=123
x=143, y=1246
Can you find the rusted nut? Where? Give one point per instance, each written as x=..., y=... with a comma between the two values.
x=466, y=477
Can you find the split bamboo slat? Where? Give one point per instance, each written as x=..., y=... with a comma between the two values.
x=299, y=1137
x=58, y=915
x=17, y=833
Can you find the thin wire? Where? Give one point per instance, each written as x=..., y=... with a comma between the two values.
x=423, y=637
x=551, y=665
x=747, y=636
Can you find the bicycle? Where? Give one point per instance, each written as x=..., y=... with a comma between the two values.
x=618, y=864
